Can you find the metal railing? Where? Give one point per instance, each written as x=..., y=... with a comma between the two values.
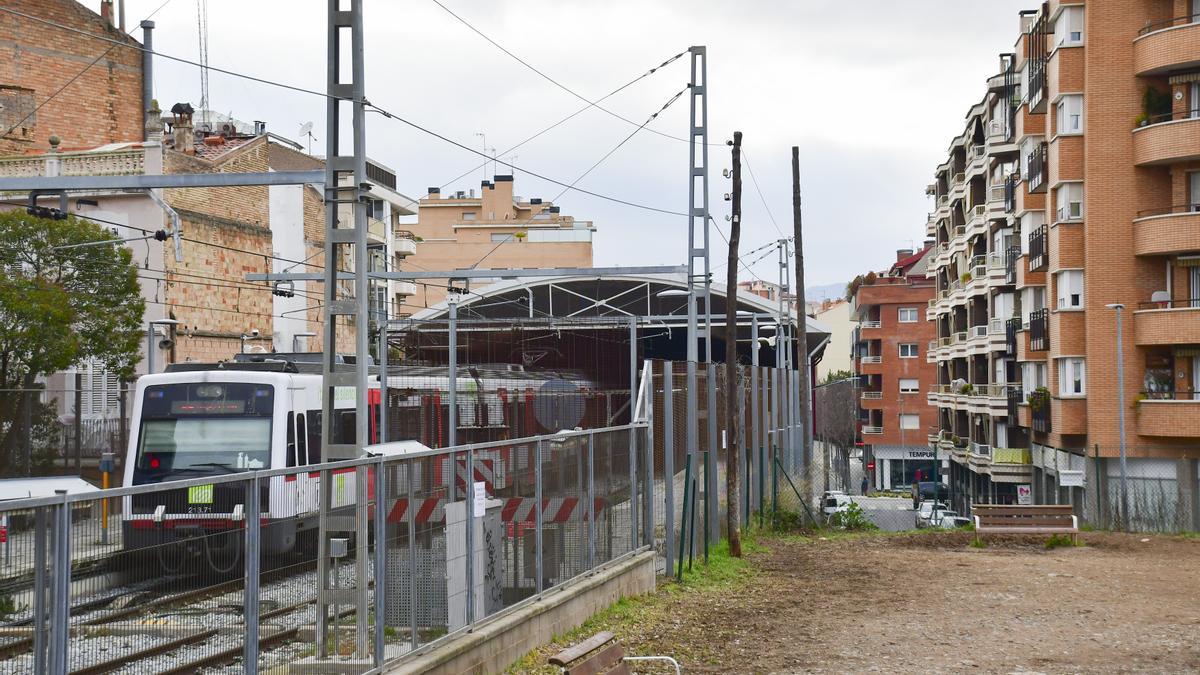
x=1014, y=401
x=1011, y=328
x=1038, y=249
x=1039, y=330
x=1181, y=303
x=1038, y=163
x=1039, y=406
x=1011, y=255
x=872, y=431
x=872, y=395
x=981, y=449
x=1170, y=210
x=1168, y=23
x=870, y=324
x=1171, y=395
x=871, y=359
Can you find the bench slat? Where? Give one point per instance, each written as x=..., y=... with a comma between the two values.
x=1025, y=530
x=1023, y=521
x=582, y=649
x=1042, y=509
x=599, y=662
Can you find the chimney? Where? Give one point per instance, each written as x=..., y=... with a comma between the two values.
x=154, y=123
x=183, y=134
x=434, y=192
x=903, y=253
x=106, y=11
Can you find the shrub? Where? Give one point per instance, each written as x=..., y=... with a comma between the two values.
x=852, y=518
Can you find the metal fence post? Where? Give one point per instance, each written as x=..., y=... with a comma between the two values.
x=381, y=571
x=712, y=528
x=61, y=607
x=633, y=389
x=470, y=509
x=538, y=507
x=40, y=578
x=591, y=497
x=250, y=560
x=410, y=514
x=669, y=462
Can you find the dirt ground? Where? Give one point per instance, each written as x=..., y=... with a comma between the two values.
x=930, y=603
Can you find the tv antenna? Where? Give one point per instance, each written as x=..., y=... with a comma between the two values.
x=306, y=130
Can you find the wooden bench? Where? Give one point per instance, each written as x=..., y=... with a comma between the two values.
x=600, y=653
x=1033, y=519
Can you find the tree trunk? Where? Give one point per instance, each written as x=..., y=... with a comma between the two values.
x=733, y=389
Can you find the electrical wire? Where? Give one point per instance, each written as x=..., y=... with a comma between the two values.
x=383, y=111
x=758, y=189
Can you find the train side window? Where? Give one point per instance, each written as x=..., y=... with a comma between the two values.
x=291, y=440
x=314, y=436
x=301, y=440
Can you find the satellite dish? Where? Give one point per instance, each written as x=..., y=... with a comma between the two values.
x=306, y=128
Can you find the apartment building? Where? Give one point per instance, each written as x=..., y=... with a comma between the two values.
x=494, y=229
x=888, y=348
x=1075, y=186
x=834, y=314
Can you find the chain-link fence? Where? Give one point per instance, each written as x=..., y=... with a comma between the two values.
x=53, y=431
x=323, y=567
x=1158, y=490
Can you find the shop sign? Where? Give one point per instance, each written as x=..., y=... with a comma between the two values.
x=1024, y=495
x=1070, y=478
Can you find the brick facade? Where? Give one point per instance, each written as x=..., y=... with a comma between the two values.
x=104, y=105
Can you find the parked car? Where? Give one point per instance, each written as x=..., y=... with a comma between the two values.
x=834, y=502
x=948, y=520
x=926, y=510
x=926, y=490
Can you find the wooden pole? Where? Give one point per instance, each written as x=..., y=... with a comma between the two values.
x=806, y=415
x=732, y=390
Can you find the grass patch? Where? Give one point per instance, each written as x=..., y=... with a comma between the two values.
x=1059, y=541
x=652, y=612
x=978, y=542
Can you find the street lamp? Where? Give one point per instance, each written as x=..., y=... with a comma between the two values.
x=1121, y=411
x=150, y=344
x=297, y=336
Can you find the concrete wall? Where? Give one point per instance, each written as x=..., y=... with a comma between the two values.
x=496, y=643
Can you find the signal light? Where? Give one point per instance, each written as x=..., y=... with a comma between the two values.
x=154, y=463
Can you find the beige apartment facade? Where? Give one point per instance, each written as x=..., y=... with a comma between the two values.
x=1075, y=186
x=490, y=230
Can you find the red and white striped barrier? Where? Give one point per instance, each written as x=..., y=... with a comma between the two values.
x=515, y=509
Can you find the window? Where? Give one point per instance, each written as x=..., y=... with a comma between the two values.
x=291, y=439
x=1072, y=379
x=1033, y=375
x=1194, y=188
x=1194, y=103
x=1069, y=197
x=908, y=315
x=910, y=421
x=1069, y=285
x=908, y=350
x=1068, y=29
x=1070, y=114
x=378, y=209
x=469, y=215
x=909, y=385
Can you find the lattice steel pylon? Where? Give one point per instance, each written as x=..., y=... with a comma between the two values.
x=340, y=239
x=699, y=285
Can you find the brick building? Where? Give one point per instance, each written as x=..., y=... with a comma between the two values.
x=102, y=105
x=493, y=230
x=888, y=355
x=1075, y=185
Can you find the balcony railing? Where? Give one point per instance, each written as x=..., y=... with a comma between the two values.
x=872, y=431
x=869, y=324
x=1039, y=334
x=872, y=359
x=1037, y=169
x=1014, y=401
x=1169, y=210
x=1011, y=255
x=1038, y=250
x=1011, y=328
x=1010, y=193
x=1171, y=395
x=1185, y=303
x=1188, y=113
x=980, y=449
x=872, y=395
x=1039, y=404
x=1169, y=23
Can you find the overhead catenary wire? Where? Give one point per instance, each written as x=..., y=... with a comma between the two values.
x=383, y=111
x=758, y=189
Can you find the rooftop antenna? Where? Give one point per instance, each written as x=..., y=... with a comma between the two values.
x=306, y=130
x=202, y=33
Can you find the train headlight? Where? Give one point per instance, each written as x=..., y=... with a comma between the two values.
x=210, y=391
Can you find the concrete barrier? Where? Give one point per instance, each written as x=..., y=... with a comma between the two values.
x=500, y=640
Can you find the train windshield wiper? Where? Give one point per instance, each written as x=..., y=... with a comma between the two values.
x=219, y=465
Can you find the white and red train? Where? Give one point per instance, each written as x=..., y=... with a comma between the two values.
x=216, y=419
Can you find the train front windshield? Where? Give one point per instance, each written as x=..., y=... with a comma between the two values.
x=203, y=428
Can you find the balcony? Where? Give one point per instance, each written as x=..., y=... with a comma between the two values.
x=376, y=230
x=404, y=243
x=1011, y=456
x=981, y=450
x=1039, y=333
x=1010, y=192
x=404, y=288
x=1011, y=256
x=871, y=360
x=1169, y=414
x=1162, y=46
x=1174, y=137
x=1014, y=402
x=872, y=431
x=868, y=324
x=1039, y=406
x=1172, y=322
x=1038, y=250
x=1175, y=229
x=872, y=395
x=1038, y=166
x=1011, y=328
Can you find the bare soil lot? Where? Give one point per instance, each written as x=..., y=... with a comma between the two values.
x=926, y=603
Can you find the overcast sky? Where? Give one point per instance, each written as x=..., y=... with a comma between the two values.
x=871, y=92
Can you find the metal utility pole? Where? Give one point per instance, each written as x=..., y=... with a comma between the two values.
x=783, y=353
x=698, y=283
x=1121, y=413
x=805, y=369
x=344, y=242
x=732, y=390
